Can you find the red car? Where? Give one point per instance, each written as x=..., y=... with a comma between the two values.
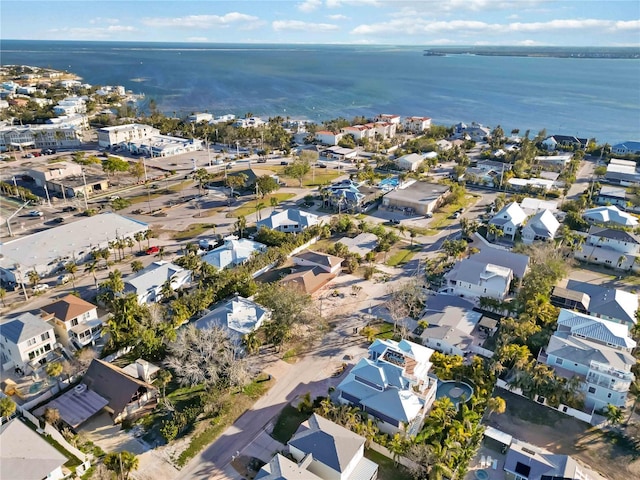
x=152, y=250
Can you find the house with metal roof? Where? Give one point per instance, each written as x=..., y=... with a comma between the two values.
x=309, y=258
x=597, y=352
x=360, y=244
x=281, y=468
x=612, y=247
x=410, y=162
x=449, y=331
x=147, y=284
x=622, y=172
x=234, y=251
x=393, y=384
x=25, y=455
x=238, y=317
x=541, y=227
x=529, y=462
x=473, y=279
x=73, y=319
x=609, y=215
x=608, y=303
x=291, y=220
x=626, y=148
x=509, y=219
x=557, y=141
x=415, y=197
x=27, y=339
x=610, y=195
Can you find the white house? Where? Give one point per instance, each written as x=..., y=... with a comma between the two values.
x=509, y=219
x=148, y=283
x=542, y=226
x=74, y=320
x=387, y=118
x=289, y=221
x=410, y=161
x=234, y=251
x=330, y=451
x=626, y=148
x=609, y=215
x=326, y=137
x=610, y=195
x=25, y=455
x=555, y=141
x=110, y=136
x=238, y=317
x=393, y=385
x=199, y=117
x=25, y=339
x=70, y=105
x=622, y=172
x=612, y=247
x=449, y=330
x=417, y=124
x=359, y=132
x=309, y=258
x=595, y=350
x=251, y=122
x=473, y=279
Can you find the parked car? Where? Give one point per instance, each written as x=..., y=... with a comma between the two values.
x=35, y=213
x=429, y=215
x=62, y=279
x=70, y=208
x=57, y=220
x=28, y=155
x=322, y=165
x=262, y=160
x=152, y=250
x=455, y=215
x=41, y=287
x=114, y=197
x=284, y=163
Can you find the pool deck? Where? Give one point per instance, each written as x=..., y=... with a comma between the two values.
x=475, y=464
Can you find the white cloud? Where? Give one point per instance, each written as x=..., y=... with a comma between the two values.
x=281, y=25
x=309, y=5
x=354, y=3
x=337, y=17
x=200, y=21
x=95, y=33
x=102, y=21
x=197, y=39
x=529, y=43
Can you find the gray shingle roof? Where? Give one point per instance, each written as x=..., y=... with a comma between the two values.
x=608, y=302
x=152, y=276
x=614, y=234
x=24, y=327
x=517, y=262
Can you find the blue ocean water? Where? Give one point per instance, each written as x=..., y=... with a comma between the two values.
x=586, y=97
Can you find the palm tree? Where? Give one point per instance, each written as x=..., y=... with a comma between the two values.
x=130, y=243
x=241, y=224
x=51, y=415
x=166, y=290
x=496, y=405
x=136, y=266
x=621, y=260
x=259, y=207
x=164, y=377
x=251, y=342
x=92, y=267
x=614, y=414
x=54, y=369
x=273, y=201
x=3, y=293
x=33, y=277
x=71, y=268
x=138, y=237
x=7, y=407
x=122, y=463
x=397, y=446
x=161, y=252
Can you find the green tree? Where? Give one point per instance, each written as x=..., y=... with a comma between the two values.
x=613, y=414
x=235, y=182
x=71, y=268
x=266, y=184
x=136, y=266
x=7, y=407
x=137, y=170
x=121, y=463
x=298, y=169
x=33, y=277
x=496, y=405
x=51, y=415
x=251, y=342
x=241, y=225
x=111, y=165
x=163, y=378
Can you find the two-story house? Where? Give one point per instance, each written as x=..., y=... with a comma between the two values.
x=148, y=283
x=609, y=215
x=541, y=227
x=595, y=350
x=509, y=219
x=74, y=320
x=24, y=340
x=611, y=247
x=393, y=385
x=416, y=124
x=473, y=279
x=234, y=251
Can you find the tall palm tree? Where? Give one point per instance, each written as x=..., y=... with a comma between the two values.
x=92, y=268
x=71, y=268
x=33, y=277
x=138, y=237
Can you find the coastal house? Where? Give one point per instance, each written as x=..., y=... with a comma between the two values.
x=541, y=227
x=26, y=340
x=609, y=215
x=387, y=118
x=339, y=153
x=70, y=105
x=608, y=303
x=555, y=142
x=125, y=395
x=199, y=117
x=536, y=184
x=148, y=284
x=610, y=195
x=622, y=172
x=238, y=317
x=518, y=263
x=328, y=263
x=40, y=136
x=393, y=385
x=524, y=461
x=359, y=132
x=509, y=219
x=74, y=320
x=596, y=351
x=410, y=162
x=326, y=137
x=475, y=132
x=415, y=197
x=361, y=244
x=531, y=206
x=249, y=122
x=25, y=455
x=473, y=279
x=626, y=148
x=234, y=251
x=553, y=162
x=612, y=247
x=163, y=146
x=291, y=220
x=416, y=124
x=448, y=329
x=310, y=279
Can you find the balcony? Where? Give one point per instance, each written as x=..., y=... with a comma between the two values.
x=600, y=368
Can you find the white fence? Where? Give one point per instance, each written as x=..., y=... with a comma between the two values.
x=302, y=247
x=572, y=412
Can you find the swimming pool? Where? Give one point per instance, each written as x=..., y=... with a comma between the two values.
x=389, y=182
x=456, y=391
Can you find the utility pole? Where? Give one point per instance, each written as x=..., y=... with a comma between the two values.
x=84, y=180
x=46, y=191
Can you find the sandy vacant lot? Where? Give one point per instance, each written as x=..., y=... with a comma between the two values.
x=559, y=433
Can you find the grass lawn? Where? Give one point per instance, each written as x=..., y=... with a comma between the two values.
x=441, y=219
x=387, y=470
x=210, y=429
x=322, y=176
x=402, y=255
x=249, y=207
x=160, y=192
x=287, y=424
x=383, y=330
x=192, y=231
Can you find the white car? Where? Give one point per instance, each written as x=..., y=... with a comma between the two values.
x=115, y=197
x=65, y=278
x=41, y=287
x=35, y=213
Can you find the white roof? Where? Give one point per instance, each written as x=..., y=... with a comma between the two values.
x=511, y=212
x=610, y=214
x=411, y=158
x=595, y=328
x=238, y=316
x=67, y=240
x=234, y=251
x=534, y=205
x=536, y=182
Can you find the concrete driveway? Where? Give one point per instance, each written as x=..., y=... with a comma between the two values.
x=111, y=438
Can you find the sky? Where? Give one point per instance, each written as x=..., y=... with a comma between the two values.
x=390, y=22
